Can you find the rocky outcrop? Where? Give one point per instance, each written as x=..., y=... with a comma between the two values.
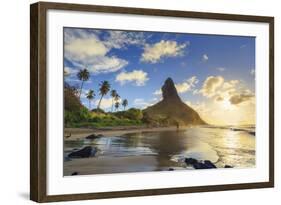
x=206, y=164
x=93, y=136
x=171, y=110
x=85, y=152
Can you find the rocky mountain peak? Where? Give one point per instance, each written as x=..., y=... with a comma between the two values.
x=169, y=90
x=171, y=110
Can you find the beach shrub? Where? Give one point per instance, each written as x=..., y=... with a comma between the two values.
x=81, y=115
x=98, y=110
x=134, y=114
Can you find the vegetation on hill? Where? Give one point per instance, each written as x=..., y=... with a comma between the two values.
x=77, y=115
x=170, y=111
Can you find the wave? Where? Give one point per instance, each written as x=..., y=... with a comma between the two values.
x=250, y=129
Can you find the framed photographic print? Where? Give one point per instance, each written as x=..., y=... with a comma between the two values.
x=134, y=102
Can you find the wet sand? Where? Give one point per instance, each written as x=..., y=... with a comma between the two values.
x=79, y=133
x=107, y=165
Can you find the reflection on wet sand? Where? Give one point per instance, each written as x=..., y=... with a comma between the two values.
x=165, y=150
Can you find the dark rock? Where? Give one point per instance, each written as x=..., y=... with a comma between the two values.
x=206, y=164
x=169, y=90
x=171, y=169
x=190, y=161
x=66, y=159
x=252, y=132
x=91, y=137
x=85, y=152
x=199, y=165
x=228, y=166
x=74, y=173
x=209, y=164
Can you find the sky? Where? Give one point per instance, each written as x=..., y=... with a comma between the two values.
x=213, y=74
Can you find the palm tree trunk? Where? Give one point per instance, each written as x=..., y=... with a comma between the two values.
x=81, y=89
x=90, y=105
x=100, y=102
x=112, y=105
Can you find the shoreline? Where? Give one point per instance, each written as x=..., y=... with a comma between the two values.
x=79, y=133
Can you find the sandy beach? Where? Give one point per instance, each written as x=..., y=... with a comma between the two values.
x=79, y=133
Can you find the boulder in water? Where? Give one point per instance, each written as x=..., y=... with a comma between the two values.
x=190, y=161
x=85, y=152
x=91, y=137
x=206, y=164
x=209, y=164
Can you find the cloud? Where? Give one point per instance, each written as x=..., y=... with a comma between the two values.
x=121, y=39
x=205, y=57
x=140, y=102
x=186, y=85
x=138, y=77
x=243, y=46
x=198, y=106
x=105, y=64
x=220, y=69
x=84, y=49
x=71, y=34
x=252, y=72
x=105, y=103
x=157, y=92
x=241, y=97
x=155, y=52
x=219, y=98
x=231, y=92
x=210, y=85
x=69, y=71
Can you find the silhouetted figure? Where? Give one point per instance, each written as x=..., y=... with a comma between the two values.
x=178, y=125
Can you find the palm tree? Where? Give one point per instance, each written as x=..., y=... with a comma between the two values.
x=83, y=75
x=124, y=103
x=117, y=99
x=90, y=96
x=104, y=89
x=117, y=104
x=113, y=94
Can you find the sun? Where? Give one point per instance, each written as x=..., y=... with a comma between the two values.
x=226, y=105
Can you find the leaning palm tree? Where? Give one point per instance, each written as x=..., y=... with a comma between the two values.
x=113, y=94
x=90, y=96
x=124, y=103
x=104, y=89
x=117, y=104
x=83, y=75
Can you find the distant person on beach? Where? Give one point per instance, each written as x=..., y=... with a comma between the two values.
x=178, y=125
